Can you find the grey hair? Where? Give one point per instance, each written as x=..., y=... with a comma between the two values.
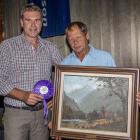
x=30, y=7
x=80, y=25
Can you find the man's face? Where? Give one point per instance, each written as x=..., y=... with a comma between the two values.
x=78, y=40
x=31, y=24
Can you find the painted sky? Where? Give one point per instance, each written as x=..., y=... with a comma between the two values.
x=72, y=83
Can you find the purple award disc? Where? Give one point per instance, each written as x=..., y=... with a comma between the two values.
x=44, y=88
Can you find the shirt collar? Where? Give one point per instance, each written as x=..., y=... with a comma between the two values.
x=91, y=51
x=41, y=41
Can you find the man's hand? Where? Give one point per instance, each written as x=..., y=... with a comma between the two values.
x=138, y=98
x=31, y=98
x=25, y=96
x=50, y=127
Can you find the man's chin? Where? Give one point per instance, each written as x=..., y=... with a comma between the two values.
x=33, y=35
x=78, y=50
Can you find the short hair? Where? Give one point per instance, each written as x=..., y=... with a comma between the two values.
x=30, y=7
x=80, y=25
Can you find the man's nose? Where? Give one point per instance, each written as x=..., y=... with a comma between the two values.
x=33, y=23
x=75, y=41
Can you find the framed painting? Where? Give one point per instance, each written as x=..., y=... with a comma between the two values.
x=95, y=103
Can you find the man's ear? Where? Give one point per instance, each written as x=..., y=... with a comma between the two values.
x=87, y=36
x=21, y=22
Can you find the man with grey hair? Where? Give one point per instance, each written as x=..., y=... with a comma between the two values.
x=25, y=60
x=84, y=53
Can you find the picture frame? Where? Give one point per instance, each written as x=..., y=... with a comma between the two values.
x=95, y=103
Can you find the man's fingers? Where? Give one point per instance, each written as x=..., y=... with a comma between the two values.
x=32, y=99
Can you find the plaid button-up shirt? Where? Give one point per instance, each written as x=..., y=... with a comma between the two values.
x=21, y=66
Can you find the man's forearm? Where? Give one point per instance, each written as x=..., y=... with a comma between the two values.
x=17, y=94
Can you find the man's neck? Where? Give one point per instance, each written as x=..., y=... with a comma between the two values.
x=82, y=54
x=33, y=41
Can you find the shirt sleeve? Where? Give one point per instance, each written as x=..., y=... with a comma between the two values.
x=5, y=86
x=56, y=55
x=63, y=62
x=111, y=61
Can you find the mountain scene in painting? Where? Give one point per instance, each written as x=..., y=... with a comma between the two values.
x=104, y=107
